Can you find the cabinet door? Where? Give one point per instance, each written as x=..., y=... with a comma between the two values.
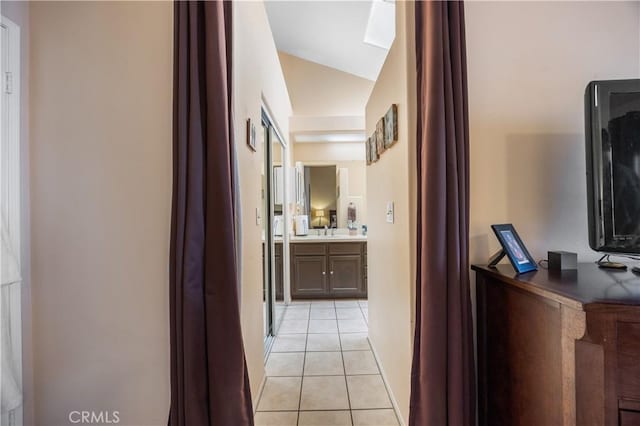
x=309, y=276
x=629, y=418
x=345, y=275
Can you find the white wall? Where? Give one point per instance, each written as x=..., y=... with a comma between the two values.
x=330, y=151
x=101, y=113
x=257, y=77
x=528, y=65
x=318, y=90
x=101, y=190
x=390, y=247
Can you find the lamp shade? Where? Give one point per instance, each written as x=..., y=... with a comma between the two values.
x=319, y=213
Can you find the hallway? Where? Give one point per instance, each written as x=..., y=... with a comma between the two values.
x=321, y=370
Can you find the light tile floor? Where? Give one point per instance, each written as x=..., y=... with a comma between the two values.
x=321, y=370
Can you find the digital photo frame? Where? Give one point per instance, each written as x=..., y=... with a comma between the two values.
x=513, y=248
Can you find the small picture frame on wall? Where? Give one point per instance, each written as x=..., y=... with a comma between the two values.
x=391, y=127
x=379, y=136
x=251, y=135
x=373, y=148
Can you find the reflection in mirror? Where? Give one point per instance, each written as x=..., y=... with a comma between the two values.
x=279, y=227
x=322, y=193
x=330, y=196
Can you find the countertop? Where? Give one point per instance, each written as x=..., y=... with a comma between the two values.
x=341, y=236
x=586, y=285
x=338, y=238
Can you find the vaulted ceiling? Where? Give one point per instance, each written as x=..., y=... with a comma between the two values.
x=333, y=33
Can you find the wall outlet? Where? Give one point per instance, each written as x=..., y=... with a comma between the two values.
x=390, y=215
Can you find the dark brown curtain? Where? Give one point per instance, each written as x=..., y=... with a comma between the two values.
x=209, y=381
x=443, y=377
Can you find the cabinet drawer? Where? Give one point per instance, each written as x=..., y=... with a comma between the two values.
x=309, y=249
x=628, y=356
x=345, y=248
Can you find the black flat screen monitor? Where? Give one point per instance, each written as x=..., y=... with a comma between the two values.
x=612, y=121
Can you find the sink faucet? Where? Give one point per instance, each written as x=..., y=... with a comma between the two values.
x=325, y=230
x=333, y=231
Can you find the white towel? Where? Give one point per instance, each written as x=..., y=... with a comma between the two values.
x=10, y=386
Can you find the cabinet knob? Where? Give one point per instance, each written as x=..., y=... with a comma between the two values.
x=324, y=272
x=331, y=272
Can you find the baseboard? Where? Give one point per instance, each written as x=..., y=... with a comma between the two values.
x=394, y=403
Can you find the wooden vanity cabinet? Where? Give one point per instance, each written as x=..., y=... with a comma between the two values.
x=328, y=270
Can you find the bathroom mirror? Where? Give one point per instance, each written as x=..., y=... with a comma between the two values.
x=330, y=194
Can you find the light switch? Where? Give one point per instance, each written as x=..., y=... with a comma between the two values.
x=390, y=212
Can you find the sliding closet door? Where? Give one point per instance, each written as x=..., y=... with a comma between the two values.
x=10, y=227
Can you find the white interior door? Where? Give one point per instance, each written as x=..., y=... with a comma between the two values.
x=10, y=227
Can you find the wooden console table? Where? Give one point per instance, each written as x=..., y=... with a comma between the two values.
x=558, y=348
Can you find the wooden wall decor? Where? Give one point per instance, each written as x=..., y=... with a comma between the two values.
x=391, y=127
x=384, y=137
x=380, y=137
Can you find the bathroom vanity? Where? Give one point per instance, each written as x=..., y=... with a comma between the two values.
x=328, y=267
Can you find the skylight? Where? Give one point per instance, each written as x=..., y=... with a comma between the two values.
x=381, y=27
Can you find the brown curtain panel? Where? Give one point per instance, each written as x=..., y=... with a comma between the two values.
x=443, y=377
x=209, y=381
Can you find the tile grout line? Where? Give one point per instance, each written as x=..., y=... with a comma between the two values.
x=394, y=407
x=304, y=361
x=339, y=334
x=375, y=358
x=344, y=369
x=365, y=317
x=266, y=377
